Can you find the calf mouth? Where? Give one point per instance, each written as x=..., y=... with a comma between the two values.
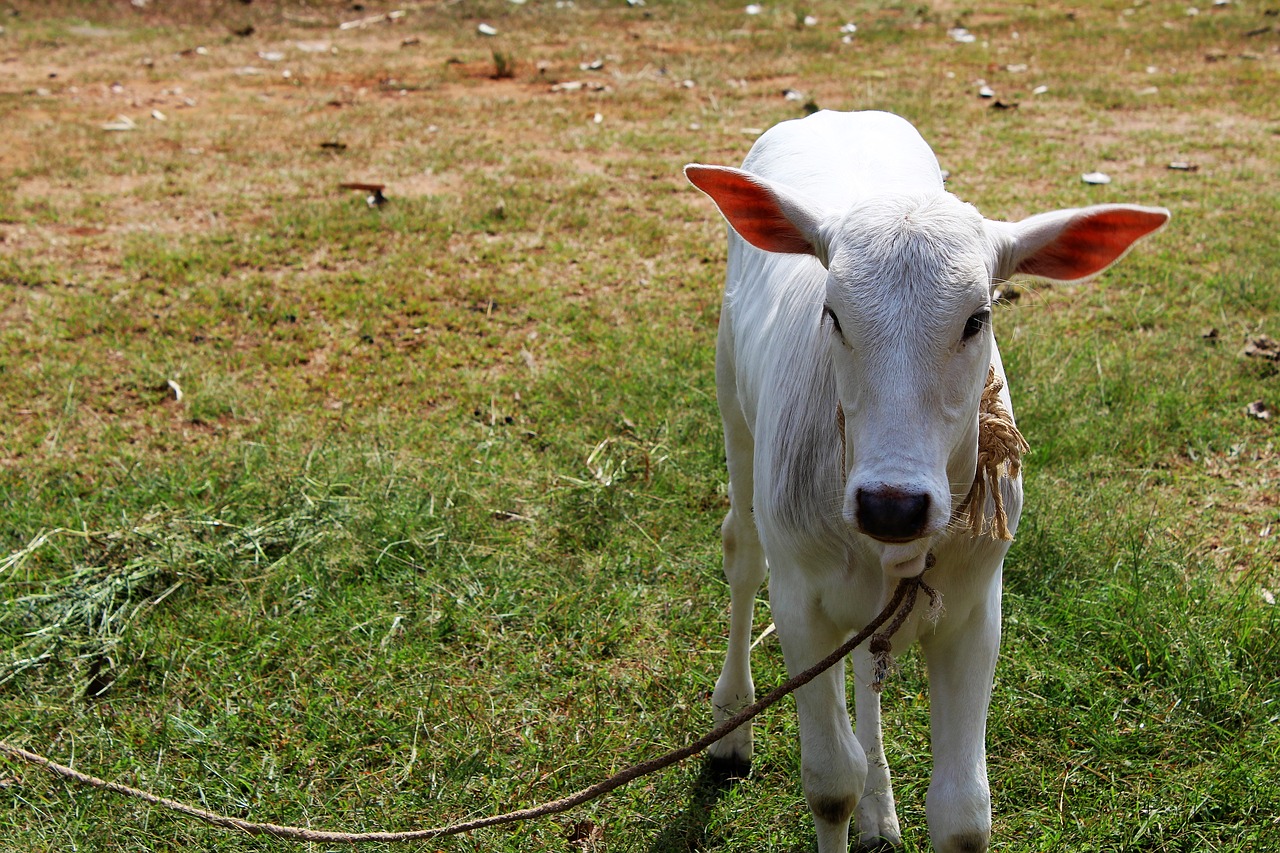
x=892, y=540
x=906, y=560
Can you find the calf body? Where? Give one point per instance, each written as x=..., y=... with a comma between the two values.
x=856, y=284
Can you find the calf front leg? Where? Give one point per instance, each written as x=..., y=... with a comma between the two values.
x=878, y=827
x=744, y=563
x=961, y=669
x=744, y=568
x=833, y=764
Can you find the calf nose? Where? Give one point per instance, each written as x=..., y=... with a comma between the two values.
x=891, y=515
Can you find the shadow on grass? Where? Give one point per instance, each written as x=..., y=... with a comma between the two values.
x=687, y=831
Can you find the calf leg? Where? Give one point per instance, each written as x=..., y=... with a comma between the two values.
x=877, y=818
x=744, y=568
x=833, y=764
x=961, y=668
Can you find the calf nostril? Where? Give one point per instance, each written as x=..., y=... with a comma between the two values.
x=891, y=515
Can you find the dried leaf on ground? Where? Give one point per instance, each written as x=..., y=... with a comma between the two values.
x=119, y=123
x=585, y=835
x=1262, y=346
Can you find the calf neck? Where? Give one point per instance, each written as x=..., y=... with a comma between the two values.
x=855, y=343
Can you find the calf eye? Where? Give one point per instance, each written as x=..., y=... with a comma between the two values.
x=976, y=324
x=828, y=314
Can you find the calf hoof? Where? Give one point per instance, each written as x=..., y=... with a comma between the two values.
x=727, y=768
x=878, y=845
x=966, y=842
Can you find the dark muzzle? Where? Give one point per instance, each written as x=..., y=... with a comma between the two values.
x=891, y=515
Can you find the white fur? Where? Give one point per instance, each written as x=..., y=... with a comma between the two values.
x=859, y=222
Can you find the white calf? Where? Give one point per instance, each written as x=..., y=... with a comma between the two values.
x=856, y=280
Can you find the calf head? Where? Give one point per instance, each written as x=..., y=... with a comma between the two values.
x=906, y=320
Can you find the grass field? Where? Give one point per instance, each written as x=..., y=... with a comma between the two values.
x=371, y=518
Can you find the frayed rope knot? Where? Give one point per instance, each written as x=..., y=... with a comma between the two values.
x=881, y=645
x=1000, y=449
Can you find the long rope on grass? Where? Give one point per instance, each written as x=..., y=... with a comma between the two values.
x=898, y=609
x=1000, y=449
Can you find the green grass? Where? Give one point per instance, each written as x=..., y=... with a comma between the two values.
x=433, y=530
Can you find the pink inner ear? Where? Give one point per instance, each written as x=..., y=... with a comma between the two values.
x=1092, y=243
x=751, y=209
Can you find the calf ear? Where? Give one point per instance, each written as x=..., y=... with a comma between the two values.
x=1072, y=245
x=769, y=216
